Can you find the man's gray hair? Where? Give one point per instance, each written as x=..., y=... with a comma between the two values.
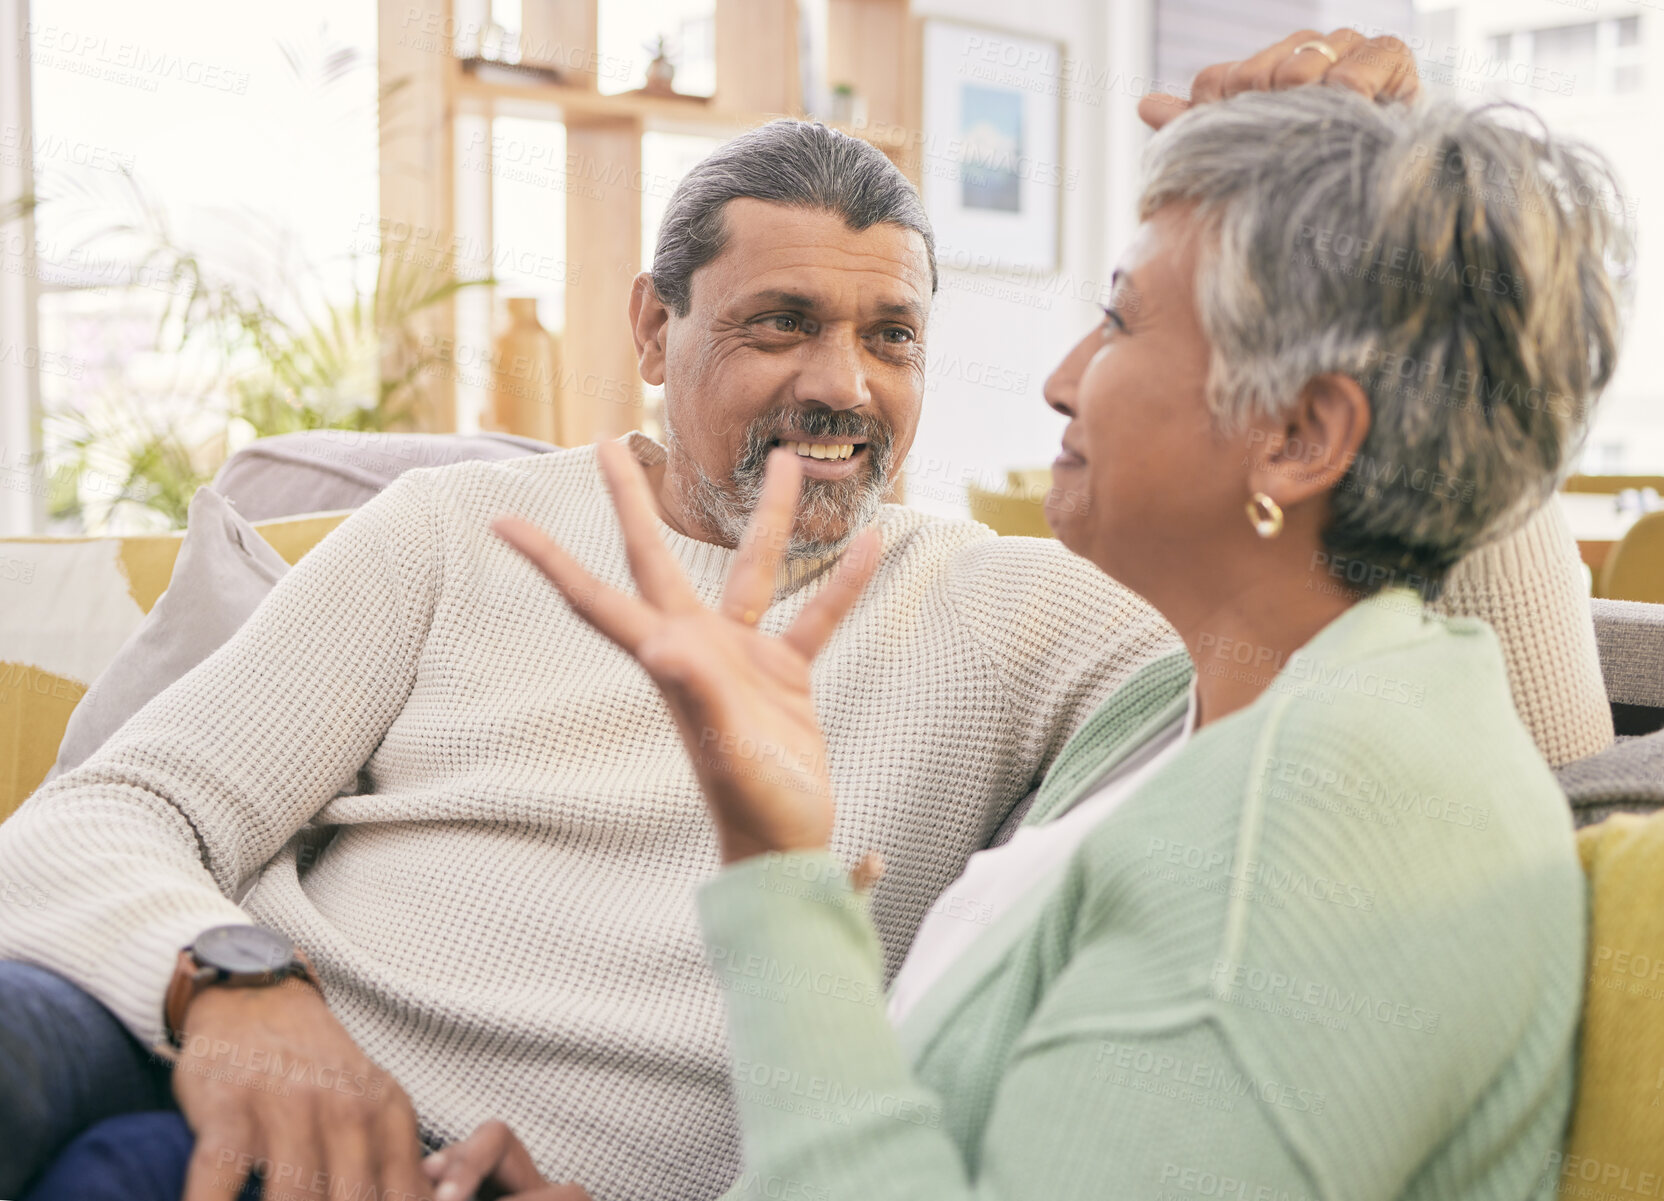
x=799, y=163
x=1465, y=267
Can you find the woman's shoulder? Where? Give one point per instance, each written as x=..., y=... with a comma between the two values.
x=1421, y=724
x=1381, y=795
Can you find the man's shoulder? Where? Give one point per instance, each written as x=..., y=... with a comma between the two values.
x=535, y=486
x=977, y=562
x=964, y=544
x=1034, y=589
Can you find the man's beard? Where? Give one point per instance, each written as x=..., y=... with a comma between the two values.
x=846, y=505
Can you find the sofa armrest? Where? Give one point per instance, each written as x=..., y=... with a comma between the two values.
x=1630, y=637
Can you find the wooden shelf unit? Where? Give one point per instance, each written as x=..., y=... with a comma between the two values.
x=873, y=44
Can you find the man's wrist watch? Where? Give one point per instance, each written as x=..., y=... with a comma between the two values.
x=231, y=957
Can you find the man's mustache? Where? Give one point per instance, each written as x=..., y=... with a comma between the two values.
x=776, y=425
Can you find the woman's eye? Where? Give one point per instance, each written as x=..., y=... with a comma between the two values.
x=1112, y=322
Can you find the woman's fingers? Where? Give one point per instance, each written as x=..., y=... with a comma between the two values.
x=492, y=1153
x=1253, y=74
x=1299, y=67
x=1381, y=68
x=822, y=614
x=624, y=619
x=1209, y=84
x=1285, y=65
x=657, y=575
x=750, y=587
x=1156, y=109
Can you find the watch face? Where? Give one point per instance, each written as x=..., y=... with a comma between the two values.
x=243, y=949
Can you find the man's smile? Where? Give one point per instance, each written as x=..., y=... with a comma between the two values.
x=825, y=458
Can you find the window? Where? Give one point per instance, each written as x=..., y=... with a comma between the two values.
x=1587, y=76
x=1588, y=58
x=167, y=141
x=1565, y=50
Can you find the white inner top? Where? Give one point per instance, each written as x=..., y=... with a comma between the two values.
x=994, y=880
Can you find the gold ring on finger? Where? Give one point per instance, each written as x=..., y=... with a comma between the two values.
x=1323, y=48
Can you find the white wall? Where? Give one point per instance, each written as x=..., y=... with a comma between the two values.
x=995, y=335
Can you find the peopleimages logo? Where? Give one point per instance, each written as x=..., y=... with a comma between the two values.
x=1243, y=984
x=1348, y=678
x=1114, y=1059
x=777, y=976
x=1306, y=668
x=1390, y=800
x=1275, y=877
x=781, y=1086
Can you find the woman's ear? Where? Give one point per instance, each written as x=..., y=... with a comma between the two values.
x=1311, y=451
x=649, y=320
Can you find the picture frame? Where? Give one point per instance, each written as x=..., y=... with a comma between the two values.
x=992, y=170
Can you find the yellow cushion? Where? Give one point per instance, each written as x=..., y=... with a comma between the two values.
x=1616, y=1138
x=66, y=606
x=1019, y=508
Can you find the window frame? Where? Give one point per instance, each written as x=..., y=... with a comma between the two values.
x=23, y=480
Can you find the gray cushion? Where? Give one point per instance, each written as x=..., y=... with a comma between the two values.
x=1630, y=635
x=319, y=471
x=224, y=570
x=1627, y=778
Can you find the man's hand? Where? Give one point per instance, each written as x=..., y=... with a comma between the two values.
x=490, y=1164
x=269, y=1080
x=1381, y=68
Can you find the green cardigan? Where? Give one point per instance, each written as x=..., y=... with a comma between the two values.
x=1333, y=949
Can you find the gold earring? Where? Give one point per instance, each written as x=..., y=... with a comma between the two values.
x=1266, y=516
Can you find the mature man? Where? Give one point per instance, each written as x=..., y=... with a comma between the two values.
x=474, y=814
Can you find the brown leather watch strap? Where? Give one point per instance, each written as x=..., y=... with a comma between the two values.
x=190, y=978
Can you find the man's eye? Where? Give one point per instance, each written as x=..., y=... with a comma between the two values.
x=897, y=335
x=784, y=322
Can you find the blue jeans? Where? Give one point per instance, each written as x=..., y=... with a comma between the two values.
x=87, y=1113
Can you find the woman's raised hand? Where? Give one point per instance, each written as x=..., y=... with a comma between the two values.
x=739, y=697
x=1382, y=68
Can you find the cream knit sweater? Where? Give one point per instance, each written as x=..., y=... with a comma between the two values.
x=503, y=917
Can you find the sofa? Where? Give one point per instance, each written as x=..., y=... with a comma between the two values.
x=68, y=605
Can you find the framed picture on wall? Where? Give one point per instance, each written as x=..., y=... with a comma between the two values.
x=992, y=168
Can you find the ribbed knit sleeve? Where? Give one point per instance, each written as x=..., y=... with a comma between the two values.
x=128, y=857
x=1528, y=586
x=831, y=1109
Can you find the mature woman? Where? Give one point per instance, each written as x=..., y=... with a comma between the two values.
x=1298, y=912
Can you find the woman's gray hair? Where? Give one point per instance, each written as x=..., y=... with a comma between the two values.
x=799, y=163
x=1465, y=267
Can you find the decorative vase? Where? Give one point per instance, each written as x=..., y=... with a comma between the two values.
x=525, y=377
x=661, y=72
x=849, y=107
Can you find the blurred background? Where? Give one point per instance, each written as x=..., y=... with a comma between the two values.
x=219, y=223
